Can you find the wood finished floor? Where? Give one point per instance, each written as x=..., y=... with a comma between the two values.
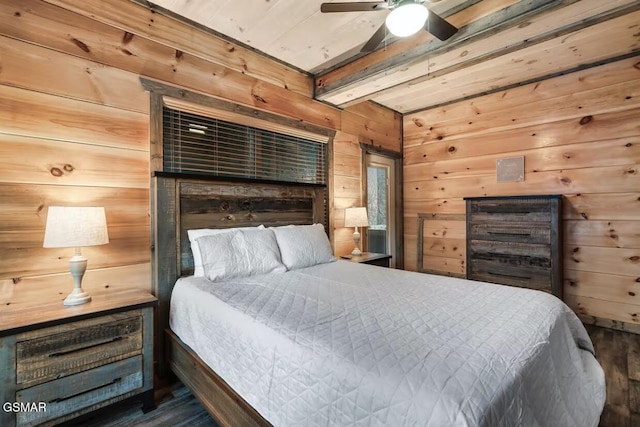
x=618, y=353
x=177, y=407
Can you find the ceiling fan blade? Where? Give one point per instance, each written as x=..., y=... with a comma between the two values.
x=439, y=27
x=375, y=39
x=352, y=6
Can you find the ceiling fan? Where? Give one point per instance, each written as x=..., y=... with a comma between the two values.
x=407, y=17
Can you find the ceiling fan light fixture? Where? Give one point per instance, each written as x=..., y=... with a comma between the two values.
x=407, y=19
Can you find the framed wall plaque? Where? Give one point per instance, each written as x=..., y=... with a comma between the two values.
x=510, y=169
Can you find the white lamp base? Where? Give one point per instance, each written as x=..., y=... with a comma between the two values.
x=77, y=267
x=77, y=298
x=356, y=239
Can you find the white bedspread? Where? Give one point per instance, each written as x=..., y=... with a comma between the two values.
x=350, y=344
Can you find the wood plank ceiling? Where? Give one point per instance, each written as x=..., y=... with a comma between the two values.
x=501, y=44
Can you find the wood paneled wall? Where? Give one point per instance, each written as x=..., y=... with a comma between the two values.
x=347, y=162
x=347, y=189
x=580, y=137
x=69, y=136
x=74, y=128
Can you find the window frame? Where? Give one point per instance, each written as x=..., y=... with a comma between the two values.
x=165, y=95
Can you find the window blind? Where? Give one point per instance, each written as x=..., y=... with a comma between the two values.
x=204, y=145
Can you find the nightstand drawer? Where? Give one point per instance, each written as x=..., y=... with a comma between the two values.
x=382, y=262
x=371, y=258
x=82, y=390
x=59, y=351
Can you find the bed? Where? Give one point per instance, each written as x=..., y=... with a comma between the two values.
x=338, y=343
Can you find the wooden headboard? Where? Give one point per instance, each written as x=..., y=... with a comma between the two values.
x=182, y=203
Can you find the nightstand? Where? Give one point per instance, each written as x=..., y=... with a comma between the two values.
x=61, y=362
x=370, y=258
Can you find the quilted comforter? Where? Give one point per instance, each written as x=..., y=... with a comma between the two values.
x=342, y=344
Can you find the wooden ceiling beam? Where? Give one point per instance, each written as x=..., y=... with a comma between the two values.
x=382, y=69
x=393, y=45
x=576, y=46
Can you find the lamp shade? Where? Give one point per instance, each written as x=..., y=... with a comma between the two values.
x=356, y=217
x=407, y=19
x=74, y=227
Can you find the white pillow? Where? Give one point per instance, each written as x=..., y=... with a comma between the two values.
x=195, y=249
x=240, y=253
x=303, y=246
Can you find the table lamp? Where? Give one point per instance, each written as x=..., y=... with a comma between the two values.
x=356, y=217
x=75, y=227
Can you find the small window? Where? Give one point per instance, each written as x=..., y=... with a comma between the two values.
x=203, y=145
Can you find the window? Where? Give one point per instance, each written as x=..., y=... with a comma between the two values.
x=203, y=145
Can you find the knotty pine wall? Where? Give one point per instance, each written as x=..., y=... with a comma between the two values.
x=347, y=190
x=580, y=136
x=347, y=167
x=74, y=129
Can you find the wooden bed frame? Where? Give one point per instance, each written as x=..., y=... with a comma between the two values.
x=181, y=203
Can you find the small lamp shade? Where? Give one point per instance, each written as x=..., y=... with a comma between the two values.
x=76, y=227
x=356, y=217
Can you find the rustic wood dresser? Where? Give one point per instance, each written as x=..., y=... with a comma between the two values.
x=61, y=362
x=516, y=241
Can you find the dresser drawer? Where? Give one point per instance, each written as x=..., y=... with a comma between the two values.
x=523, y=276
x=59, y=351
x=515, y=264
x=90, y=389
x=534, y=209
x=510, y=232
x=510, y=253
